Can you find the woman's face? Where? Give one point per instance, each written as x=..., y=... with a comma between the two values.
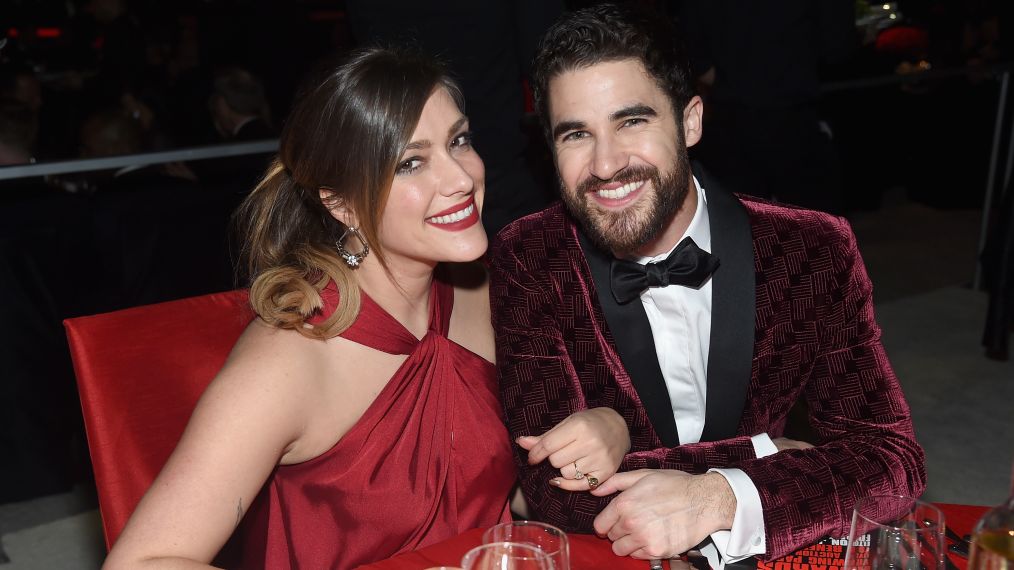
x=432, y=212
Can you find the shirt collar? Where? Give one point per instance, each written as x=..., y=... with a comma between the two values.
x=699, y=229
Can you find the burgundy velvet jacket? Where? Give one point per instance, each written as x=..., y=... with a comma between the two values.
x=792, y=318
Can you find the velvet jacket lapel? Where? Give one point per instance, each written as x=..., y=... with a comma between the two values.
x=732, y=324
x=733, y=306
x=634, y=344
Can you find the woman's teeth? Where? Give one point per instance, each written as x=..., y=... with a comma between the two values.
x=455, y=217
x=620, y=192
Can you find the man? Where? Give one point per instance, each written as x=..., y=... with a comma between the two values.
x=768, y=305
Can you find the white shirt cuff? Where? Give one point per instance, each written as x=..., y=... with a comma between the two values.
x=746, y=538
x=763, y=446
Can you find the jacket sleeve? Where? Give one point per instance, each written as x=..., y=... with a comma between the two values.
x=540, y=387
x=865, y=440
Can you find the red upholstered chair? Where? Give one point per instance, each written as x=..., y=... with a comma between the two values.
x=140, y=372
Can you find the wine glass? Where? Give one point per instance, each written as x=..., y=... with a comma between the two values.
x=895, y=532
x=546, y=537
x=506, y=556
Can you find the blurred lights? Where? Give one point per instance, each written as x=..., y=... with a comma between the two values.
x=893, y=16
x=47, y=33
x=887, y=6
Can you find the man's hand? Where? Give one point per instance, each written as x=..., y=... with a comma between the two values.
x=663, y=513
x=596, y=440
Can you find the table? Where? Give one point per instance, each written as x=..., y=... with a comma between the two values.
x=588, y=552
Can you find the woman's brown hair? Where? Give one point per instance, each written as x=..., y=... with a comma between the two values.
x=345, y=135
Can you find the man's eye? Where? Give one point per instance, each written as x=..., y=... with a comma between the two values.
x=634, y=121
x=573, y=136
x=409, y=166
x=463, y=140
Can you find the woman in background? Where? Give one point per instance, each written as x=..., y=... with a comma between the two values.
x=357, y=417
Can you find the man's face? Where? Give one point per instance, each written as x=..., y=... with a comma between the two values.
x=620, y=154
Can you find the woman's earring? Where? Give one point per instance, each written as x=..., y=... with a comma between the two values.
x=352, y=259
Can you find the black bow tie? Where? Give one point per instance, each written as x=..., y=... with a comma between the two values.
x=687, y=265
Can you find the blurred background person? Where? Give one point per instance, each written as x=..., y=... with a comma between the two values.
x=239, y=109
x=18, y=130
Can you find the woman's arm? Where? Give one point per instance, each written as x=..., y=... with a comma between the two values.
x=247, y=420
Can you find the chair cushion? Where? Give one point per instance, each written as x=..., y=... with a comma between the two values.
x=140, y=372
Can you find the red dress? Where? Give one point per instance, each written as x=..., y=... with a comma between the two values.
x=428, y=460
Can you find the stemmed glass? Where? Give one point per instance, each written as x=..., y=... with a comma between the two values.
x=506, y=556
x=895, y=532
x=546, y=537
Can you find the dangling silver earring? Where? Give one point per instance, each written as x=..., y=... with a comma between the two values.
x=352, y=259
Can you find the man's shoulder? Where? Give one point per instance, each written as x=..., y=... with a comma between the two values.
x=785, y=221
x=547, y=230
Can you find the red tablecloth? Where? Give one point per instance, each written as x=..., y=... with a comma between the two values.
x=588, y=552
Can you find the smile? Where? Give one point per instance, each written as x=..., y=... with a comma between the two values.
x=621, y=192
x=454, y=216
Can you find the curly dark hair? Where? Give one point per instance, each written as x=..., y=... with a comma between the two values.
x=608, y=32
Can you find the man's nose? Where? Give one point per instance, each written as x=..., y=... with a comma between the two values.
x=609, y=158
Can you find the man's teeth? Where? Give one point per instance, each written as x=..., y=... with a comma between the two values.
x=455, y=217
x=620, y=192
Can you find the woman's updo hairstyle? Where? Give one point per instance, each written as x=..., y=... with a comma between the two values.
x=346, y=133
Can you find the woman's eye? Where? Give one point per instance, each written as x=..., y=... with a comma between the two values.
x=463, y=140
x=409, y=166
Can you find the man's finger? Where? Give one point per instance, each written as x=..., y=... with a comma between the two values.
x=627, y=546
x=606, y=519
x=620, y=482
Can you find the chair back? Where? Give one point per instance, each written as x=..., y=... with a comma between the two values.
x=139, y=373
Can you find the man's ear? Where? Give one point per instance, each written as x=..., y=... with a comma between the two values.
x=693, y=115
x=336, y=206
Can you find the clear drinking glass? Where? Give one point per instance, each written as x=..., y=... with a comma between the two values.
x=993, y=537
x=546, y=537
x=506, y=556
x=895, y=532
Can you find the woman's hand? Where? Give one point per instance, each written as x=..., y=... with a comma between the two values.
x=587, y=448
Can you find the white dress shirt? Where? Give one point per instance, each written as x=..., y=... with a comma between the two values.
x=680, y=321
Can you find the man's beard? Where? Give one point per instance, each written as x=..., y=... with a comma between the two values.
x=625, y=231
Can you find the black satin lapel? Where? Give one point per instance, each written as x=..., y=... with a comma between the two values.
x=733, y=301
x=635, y=345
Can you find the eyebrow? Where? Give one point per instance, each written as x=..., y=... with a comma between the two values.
x=421, y=144
x=638, y=110
x=566, y=126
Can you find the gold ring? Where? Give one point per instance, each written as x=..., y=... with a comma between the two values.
x=577, y=472
x=593, y=482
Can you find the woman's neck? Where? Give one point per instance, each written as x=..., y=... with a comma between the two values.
x=404, y=292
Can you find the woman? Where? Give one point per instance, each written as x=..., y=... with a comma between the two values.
x=362, y=400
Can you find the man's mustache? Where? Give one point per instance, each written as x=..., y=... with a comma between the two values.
x=629, y=174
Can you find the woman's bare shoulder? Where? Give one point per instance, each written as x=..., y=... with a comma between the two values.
x=267, y=359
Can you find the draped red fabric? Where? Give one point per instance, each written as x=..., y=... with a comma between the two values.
x=428, y=460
